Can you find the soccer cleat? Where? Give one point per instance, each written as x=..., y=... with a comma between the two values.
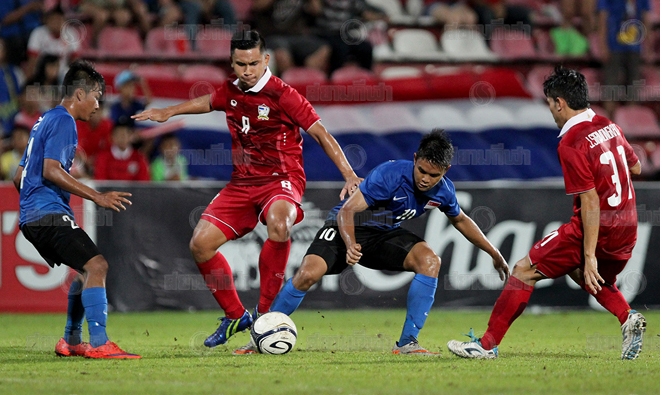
x=633, y=335
x=109, y=350
x=248, y=349
x=229, y=327
x=412, y=348
x=64, y=349
x=472, y=348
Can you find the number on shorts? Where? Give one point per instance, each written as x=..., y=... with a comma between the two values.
x=549, y=237
x=66, y=218
x=286, y=185
x=328, y=234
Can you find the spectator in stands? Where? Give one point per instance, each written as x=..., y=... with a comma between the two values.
x=93, y=138
x=29, y=111
x=128, y=104
x=53, y=38
x=347, y=40
x=451, y=13
x=10, y=91
x=121, y=162
x=495, y=13
x=283, y=24
x=622, y=26
x=568, y=41
x=122, y=13
x=17, y=20
x=9, y=160
x=170, y=165
x=44, y=87
x=219, y=13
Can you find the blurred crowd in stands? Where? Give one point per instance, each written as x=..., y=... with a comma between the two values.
x=614, y=42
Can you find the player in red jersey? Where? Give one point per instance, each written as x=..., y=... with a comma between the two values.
x=264, y=116
x=594, y=247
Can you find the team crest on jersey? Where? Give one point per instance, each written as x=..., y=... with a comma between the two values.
x=432, y=204
x=263, y=112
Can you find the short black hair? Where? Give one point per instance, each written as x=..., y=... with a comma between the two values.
x=568, y=84
x=82, y=74
x=247, y=39
x=436, y=148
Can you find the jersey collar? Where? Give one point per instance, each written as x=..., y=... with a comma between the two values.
x=260, y=83
x=586, y=116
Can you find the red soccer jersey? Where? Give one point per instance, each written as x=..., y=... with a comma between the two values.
x=131, y=167
x=595, y=154
x=264, y=122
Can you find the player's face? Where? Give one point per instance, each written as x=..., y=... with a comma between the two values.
x=556, y=112
x=89, y=103
x=249, y=65
x=426, y=175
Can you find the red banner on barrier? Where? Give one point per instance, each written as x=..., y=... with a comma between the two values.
x=27, y=283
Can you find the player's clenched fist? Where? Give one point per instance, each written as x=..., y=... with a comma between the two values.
x=354, y=254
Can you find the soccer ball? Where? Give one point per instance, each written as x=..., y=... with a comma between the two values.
x=274, y=333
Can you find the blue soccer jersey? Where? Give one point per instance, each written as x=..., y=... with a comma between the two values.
x=52, y=137
x=392, y=198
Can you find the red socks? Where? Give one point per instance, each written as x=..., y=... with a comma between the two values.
x=510, y=304
x=218, y=277
x=273, y=259
x=611, y=298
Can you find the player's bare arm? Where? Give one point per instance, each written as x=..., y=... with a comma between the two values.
x=472, y=232
x=54, y=173
x=636, y=169
x=355, y=204
x=591, y=222
x=333, y=150
x=199, y=105
x=17, y=178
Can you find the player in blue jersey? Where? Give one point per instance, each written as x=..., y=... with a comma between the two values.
x=393, y=192
x=46, y=218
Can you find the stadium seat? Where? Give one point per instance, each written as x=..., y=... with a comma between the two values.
x=395, y=72
x=416, y=44
x=394, y=117
x=120, y=42
x=349, y=74
x=161, y=41
x=512, y=45
x=393, y=8
x=466, y=45
x=242, y=9
x=637, y=121
x=651, y=74
x=535, y=79
x=213, y=43
x=545, y=46
x=595, y=46
x=490, y=116
x=593, y=81
x=157, y=71
x=303, y=76
x=443, y=116
x=203, y=72
x=599, y=110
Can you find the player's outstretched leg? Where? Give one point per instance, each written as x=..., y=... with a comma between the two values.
x=422, y=260
x=510, y=305
x=96, y=311
x=71, y=344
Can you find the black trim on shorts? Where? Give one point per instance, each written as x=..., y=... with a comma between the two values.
x=59, y=240
x=381, y=249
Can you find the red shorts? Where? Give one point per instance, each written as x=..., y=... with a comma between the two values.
x=562, y=251
x=236, y=209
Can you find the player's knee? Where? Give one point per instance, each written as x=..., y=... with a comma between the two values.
x=199, y=251
x=428, y=264
x=97, y=266
x=279, y=231
x=304, y=279
x=523, y=271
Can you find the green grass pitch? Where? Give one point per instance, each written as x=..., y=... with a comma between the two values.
x=338, y=352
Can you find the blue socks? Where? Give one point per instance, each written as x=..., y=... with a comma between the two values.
x=96, y=310
x=75, y=313
x=419, y=301
x=288, y=299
